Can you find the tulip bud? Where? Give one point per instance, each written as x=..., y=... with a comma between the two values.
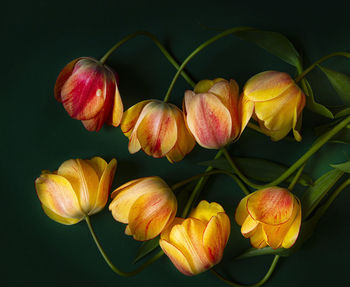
x=275, y=101
x=211, y=112
x=89, y=92
x=270, y=216
x=197, y=243
x=146, y=204
x=158, y=128
x=77, y=189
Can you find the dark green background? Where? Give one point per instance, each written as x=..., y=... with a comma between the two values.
x=40, y=37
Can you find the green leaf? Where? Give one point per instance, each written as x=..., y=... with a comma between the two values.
x=318, y=191
x=340, y=83
x=257, y=169
x=312, y=105
x=274, y=43
x=342, y=137
x=146, y=248
x=343, y=113
x=344, y=167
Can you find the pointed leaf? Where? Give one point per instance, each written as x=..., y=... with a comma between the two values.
x=341, y=137
x=274, y=43
x=343, y=113
x=340, y=83
x=146, y=248
x=344, y=167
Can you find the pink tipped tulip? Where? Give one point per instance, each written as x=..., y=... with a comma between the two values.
x=197, y=243
x=77, y=189
x=271, y=216
x=147, y=205
x=211, y=112
x=89, y=92
x=275, y=101
x=158, y=128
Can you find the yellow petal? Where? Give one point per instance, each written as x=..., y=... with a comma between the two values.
x=117, y=111
x=241, y=211
x=166, y=231
x=99, y=165
x=63, y=220
x=56, y=193
x=245, y=111
x=272, y=205
x=205, y=211
x=83, y=179
x=178, y=259
x=248, y=227
x=259, y=238
x=208, y=120
x=127, y=230
x=294, y=229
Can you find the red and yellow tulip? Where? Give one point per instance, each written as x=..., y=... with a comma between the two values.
x=211, y=112
x=147, y=205
x=197, y=243
x=77, y=189
x=275, y=101
x=158, y=128
x=89, y=92
x=270, y=216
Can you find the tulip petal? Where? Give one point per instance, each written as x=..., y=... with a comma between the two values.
x=267, y=85
x=293, y=231
x=216, y=235
x=249, y=226
x=176, y=257
x=63, y=220
x=245, y=110
x=98, y=164
x=166, y=231
x=259, y=238
x=205, y=211
x=241, y=211
x=157, y=132
x=208, y=119
x=56, y=193
x=83, y=179
x=272, y=205
x=117, y=110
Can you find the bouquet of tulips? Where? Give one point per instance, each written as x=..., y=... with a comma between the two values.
x=215, y=113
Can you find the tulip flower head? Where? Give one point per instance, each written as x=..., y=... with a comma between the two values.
x=197, y=243
x=89, y=92
x=147, y=205
x=77, y=189
x=211, y=112
x=158, y=128
x=275, y=101
x=270, y=216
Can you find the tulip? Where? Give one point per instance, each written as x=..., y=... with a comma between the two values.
x=147, y=205
x=89, y=92
x=275, y=101
x=77, y=189
x=197, y=243
x=211, y=112
x=158, y=128
x=270, y=216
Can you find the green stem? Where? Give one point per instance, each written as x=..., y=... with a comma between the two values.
x=310, y=68
x=260, y=283
x=313, y=149
x=159, y=45
x=197, y=189
x=109, y=262
x=197, y=50
x=296, y=178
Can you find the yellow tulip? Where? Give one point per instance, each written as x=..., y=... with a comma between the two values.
x=211, y=112
x=197, y=243
x=147, y=205
x=275, y=101
x=77, y=189
x=270, y=216
x=158, y=128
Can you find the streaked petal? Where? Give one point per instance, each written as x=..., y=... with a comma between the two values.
x=294, y=229
x=63, y=220
x=205, y=211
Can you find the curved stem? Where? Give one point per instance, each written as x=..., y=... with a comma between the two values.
x=109, y=262
x=313, y=149
x=310, y=68
x=296, y=178
x=260, y=283
x=159, y=45
x=197, y=50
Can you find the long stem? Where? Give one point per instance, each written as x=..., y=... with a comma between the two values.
x=310, y=68
x=109, y=262
x=159, y=45
x=260, y=283
x=313, y=149
x=197, y=50
x=296, y=178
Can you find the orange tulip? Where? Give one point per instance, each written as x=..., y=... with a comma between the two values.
x=147, y=205
x=275, y=101
x=89, y=92
x=270, y=216
x=211, y=112
x=77, y=189
x=197, y=243
x=158, y=128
